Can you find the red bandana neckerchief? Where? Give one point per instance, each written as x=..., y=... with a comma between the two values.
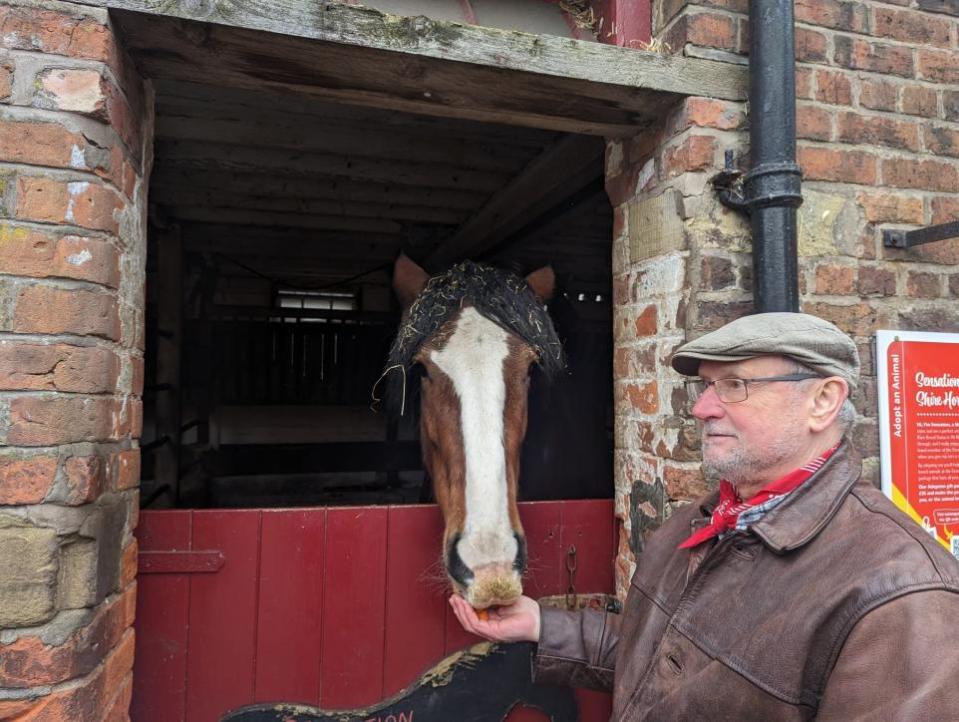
x=730, y=506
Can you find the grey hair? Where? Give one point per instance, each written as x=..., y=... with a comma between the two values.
x=847, y=412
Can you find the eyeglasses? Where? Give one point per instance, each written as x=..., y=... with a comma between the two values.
x=732, y=390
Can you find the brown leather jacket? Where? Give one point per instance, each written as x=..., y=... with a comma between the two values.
x=835, y=606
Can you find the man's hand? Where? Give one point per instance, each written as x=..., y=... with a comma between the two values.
x=518, y=622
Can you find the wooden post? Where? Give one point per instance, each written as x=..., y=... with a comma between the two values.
x=169, y=344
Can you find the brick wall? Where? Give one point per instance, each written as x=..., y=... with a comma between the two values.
x=878, y=125
x=73, y=119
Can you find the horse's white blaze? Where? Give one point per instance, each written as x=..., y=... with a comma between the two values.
x=473, y=360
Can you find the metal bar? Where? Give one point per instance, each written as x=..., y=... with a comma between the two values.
x=773, y=183
x=894, y=238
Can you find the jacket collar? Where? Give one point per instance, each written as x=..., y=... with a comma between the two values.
x=807, y=510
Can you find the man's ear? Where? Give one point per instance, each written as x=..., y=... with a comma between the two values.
x=408, y=280
x=828, y=399
x=542, y=281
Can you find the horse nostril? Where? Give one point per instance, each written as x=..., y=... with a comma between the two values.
x=519, y=564
x=455, y=566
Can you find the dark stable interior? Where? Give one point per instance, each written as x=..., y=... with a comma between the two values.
x=274, y=222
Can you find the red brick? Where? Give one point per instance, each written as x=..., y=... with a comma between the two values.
x=716, y=273
x=878, y=130
x=713, y=314
x=889, y=208
x=50, y=421
x=858, y=319
x=941, y=140
x=683, y=483
x=813, y=123
x=81, y=91
x=47, y=31
x=920, y=100
x=57, y=367
x=123, y=469
x=89, y=93
x=28, y=252
x=875, y=281
x=830, y=164
x=920, y=284
x=877, y=95
x=644, y=397
x=950, y=102
x=80, y=203
x=646, y=323
x=128, y=569
x=945, y=209
x=832, y=14
x=45, y=309
x=926, y=174
x=40, y=143
x=696, y=153
x=86, y=700
x=804, y=83
x=6, y=80
x=29, y=662
x=835, y=280
x=859, y=54
x=137, y=375
x=703, y=29
x=708, y=113
x=629, y=362
x=833, y=88
x=910, y=26
x=118, y=709
x=84, y=479
x=811, y=46
x=25, y=480
x=939, y=66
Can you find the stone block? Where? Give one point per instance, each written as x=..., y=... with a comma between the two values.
x=29, y=562
x=655, y=226
x=829, y=225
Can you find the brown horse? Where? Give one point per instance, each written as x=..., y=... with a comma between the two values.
x=469, y=340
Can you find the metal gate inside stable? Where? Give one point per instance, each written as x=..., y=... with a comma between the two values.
x=337, y=607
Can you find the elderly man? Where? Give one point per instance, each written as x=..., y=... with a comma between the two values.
x=796, y=591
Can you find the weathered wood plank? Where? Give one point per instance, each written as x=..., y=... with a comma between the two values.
x=225, y=198
x=321, y=136
x=242, y=216
x=335, y=188
x=543, y=183
x=273, y=106
x=376, y=60
x=201, y=155
x=360, y=26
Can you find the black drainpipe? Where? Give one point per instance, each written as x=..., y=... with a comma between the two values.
x=772, y=186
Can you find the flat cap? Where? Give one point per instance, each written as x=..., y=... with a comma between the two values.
x=807, y=339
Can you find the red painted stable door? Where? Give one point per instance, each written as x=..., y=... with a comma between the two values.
x=333, y=607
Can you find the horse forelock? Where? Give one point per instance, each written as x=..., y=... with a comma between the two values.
x=500, y=296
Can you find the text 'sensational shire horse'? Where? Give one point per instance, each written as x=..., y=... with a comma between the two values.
x=469, y=338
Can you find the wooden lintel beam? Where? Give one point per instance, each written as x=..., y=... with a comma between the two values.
x=368, y=58
x=543, y=183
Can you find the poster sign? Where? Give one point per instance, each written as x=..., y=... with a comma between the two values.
x=918, y=375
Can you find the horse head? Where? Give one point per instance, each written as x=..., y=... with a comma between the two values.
x=470, y=338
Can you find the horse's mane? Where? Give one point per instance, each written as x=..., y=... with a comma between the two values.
x=502, y=297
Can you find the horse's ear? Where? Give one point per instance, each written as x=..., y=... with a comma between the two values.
x=408, y=279
x=543, y=282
